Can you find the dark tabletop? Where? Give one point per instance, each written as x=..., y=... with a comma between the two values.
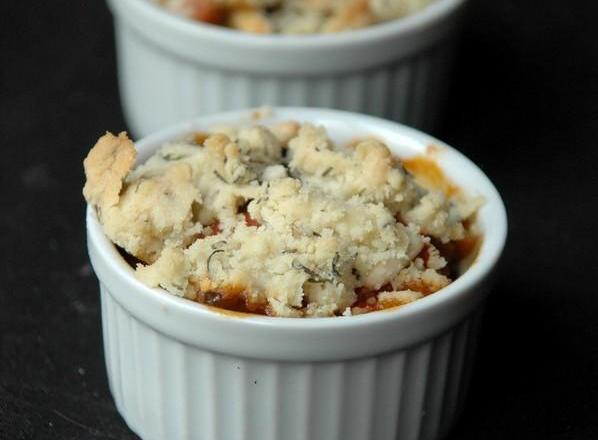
x=523, y=105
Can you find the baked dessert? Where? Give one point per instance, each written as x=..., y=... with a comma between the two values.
x=294, y=16
x=282, y=221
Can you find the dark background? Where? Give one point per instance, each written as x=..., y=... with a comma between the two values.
x=523, y=105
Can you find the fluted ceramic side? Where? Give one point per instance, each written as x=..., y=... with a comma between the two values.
x=160, y=88
x=166, y=389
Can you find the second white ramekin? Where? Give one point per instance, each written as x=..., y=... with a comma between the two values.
x=171, y=69
x=181, y=370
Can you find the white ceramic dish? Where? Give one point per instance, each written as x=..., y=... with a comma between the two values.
x=171, y=69
x=181, y=370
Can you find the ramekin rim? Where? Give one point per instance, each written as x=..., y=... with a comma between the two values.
x=488, y=256
x=410, y=23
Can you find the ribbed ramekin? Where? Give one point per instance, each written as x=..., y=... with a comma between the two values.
x=181, y=370
x=171, y=69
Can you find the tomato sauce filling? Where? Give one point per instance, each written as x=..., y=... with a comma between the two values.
x=232, y=299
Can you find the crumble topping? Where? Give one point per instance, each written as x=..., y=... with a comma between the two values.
x=280, y=220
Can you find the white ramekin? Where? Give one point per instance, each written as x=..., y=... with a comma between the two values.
x=181, y=370
x=172, y=69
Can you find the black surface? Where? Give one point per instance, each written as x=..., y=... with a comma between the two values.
x=524, y=105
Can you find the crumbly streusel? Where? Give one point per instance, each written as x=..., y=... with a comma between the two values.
x=278, y=220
